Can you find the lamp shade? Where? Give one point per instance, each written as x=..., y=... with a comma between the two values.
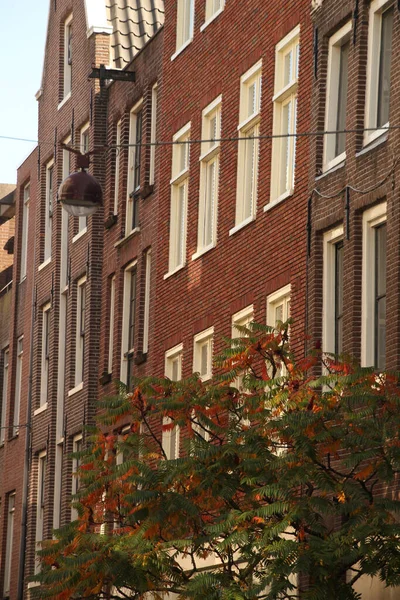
x=80, y=194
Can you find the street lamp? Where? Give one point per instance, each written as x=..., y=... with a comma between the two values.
x=80, y=193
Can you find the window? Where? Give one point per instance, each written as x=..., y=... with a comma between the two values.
x=278, y=306
x=48, y=218
x=379, y=67
x=67, y=56
x=117, y=166
x=5, y=358
x=58, y=477
x=241, y=319
x=76, y=463
x=40, y=505
x=146, y=320
x=111, y=329
x=285, y=116
x=173, y=370
x=66, y=168
x=213, y=9
x=24, y=233
x=332, y=328
x=179, y=199
x=336, y=97
x=134, y=167
x=44, y=375
x=184, y=23
x=9, y=544
x=153, y=133
x=18, y=382
x=373, y=335
x=84, y=148
x=80, y=331
x=209, y=171
x=249, y=129
x=129, y=325
x=203, y=351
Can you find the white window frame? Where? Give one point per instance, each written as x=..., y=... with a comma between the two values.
x=125, y=319
x=336, y=42
x=9, y=543
x=132, y=153
x=44, y=365
x=153, y=133
x=48, y=217
x=40, y=503
x=75, y=482
x=281, y=296
x=67, y=74
x=66, y=168
x=117, y=166
x=372, y=218
x=201, y=339
x=212, y=12
x=170, y=439
x=80, y=339
x=58, y=475
x=182, y=41
x=5, y=366
x=180, y=178
x=330, y=239
x=111, y=327
x=210, y=152
x=146, y=315
x=84, y=134
x=377, y=7
x=18, y=385
x=24, y=232
x=249, y=127
x=242, y=318
x=284, y=94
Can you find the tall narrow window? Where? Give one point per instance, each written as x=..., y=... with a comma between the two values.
x=80, y=332
x=134, y=167
x=278, y=306
x=66, y=169
x=202, y=353
x=153, y=133
x=84, y=147
x=209, y=171
x=5, y=358
x=111, y=328
x=44, y=376
x=213, y=8
x=179, y=199
x=76, y=463
x=67, y=56
x=117, y=165
x=339, y=297
x=248, y=146
x=58, y=487
x=184, y=23
x=24, y=233
x=146, y=319
x=241, y=319
x=173, y=370
x=40, y=505
x=18, y=384
x=128, y=325
x=48, y=217
x=9, y=544
x=380, y=32
x=373, y=333
x=336, y=97
x=332, y=313
x=285, y=116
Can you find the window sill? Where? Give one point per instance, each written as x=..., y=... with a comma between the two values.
x=211, y=19
x=127, y=237
x=182, y=48
x=44, y=263
x=76, y=389
x=373, y=144
x=64, y=101
x=371, y=136
x=242, y=224
x=332, y=169
x=203, y=251
x=79, y=234
x=40, y=409
x=334, y=162
x=170, y=273
x=22, y=279
x=278, y=200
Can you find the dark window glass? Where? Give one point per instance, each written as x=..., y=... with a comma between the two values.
x=131, y=334
x=342, y=98
x=384, y=67
x=380, y=297
x=138, y=151
x=339, y=298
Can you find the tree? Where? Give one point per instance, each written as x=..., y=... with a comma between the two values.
x=285, y=488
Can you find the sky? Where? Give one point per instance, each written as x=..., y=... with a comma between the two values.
x=23, y=25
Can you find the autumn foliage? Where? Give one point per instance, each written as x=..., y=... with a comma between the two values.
x=286, y=485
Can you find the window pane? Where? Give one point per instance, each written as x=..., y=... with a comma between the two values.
x=342, y=98
x=138, y=149
x=209, y=202
x=180, y=224
x=204, y=359
x=285, y=147
x=384, y=67
x=380, y=297
x=252, y=99
x=288, y=68
x=339, y=298
x=250, y=146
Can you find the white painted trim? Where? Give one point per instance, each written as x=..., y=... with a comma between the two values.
x=203, y=336
x=40, y=409
x=211, y=19
x=178, y=268
x=288, y=39
x=203, y=251
x=76, y=389
x=147, y=298
x=127, y=237
x=244, y=315
x=96, y=16
x=273, y=299
x=182, y=48
x=330, y=239
x=44, y=263
x=79, y=234
x=99, y=29
x=242, y=224
x=125, y=319
x=64, y=101
x=281, y=198
x=182, y=131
